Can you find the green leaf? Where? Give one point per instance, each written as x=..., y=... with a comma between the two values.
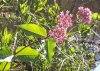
x=6, y=38
x=72, y=49
x=28, y=19
x=36, y=30
x=26, y=53
x=39, y=9
x=40, y=5
x=24, y=8
x=51, y=11
x=57, y=6
x=99, y=17
x=95, y=15
x=83, y=27
x=51, y=44
x=5, y=66
x=44, y=2
x=5, y=52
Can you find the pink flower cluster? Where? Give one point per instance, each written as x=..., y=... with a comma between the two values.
x=84, y=15
x=59, y=32
x=65, y=20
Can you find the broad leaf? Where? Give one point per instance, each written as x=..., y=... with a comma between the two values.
x=5, y=66
x=26, y=53
x=51, y=44
x=36, y=30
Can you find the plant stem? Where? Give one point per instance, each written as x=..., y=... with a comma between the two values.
x=62, y=64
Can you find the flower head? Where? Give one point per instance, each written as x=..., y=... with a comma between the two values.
x=65, y=20
x=84, y=15
x=58, y=33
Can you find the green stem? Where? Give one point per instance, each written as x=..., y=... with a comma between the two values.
x=62, y=64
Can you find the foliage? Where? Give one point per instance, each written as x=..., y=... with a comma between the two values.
x=51, y=44
x=25, y=39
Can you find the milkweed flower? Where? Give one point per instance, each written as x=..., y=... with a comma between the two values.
x=64, y=22
x=58, y=33
x=65, y=19
x=84, y=15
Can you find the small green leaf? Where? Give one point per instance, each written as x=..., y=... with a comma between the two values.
x=83, y=27
x=36, y=30
x=51, y=44
x=57, y=6
x=28, y=19
x=51, y=11
x=95, y=15
x=72, y=49
x=6, y=38
x=44, y=2
x=39, y=9
x=99, y=17
x=5, y=66
x=24, y=8
x=26, y=53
